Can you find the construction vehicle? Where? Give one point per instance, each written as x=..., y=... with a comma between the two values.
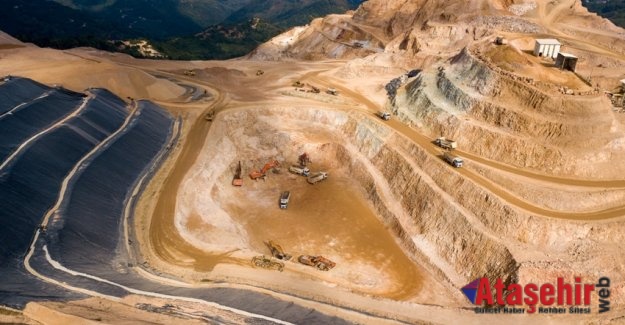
x=298, y=84
x=320, y=262
x=317, y=177
x=267, y=263
x=304, y=159
x=445, y=143
x=500, y=40
x=315, y=90
x=237, y=181
x=284, y=199
x=332, y=91
x=209, y=116
x=260, y=72
x=384, y=115
x=453, y=159
x=277, y=251
x=189, y=73
x=303, y=171
x=256, y=174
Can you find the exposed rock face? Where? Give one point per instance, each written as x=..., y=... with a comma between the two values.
x=457, y=229
x=506, y=118
x=410, y=27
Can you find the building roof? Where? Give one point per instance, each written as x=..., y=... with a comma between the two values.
x=567, y=55
x=547, y=41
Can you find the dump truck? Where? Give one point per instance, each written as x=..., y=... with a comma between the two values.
x=267, y=263
x=303, y=171
x=317, y=177
x=236, y=180
x=320, y=262
x=332, y=91
x=446, y=143
x=284, y=199
x=453, y=159
x=384, y=115
x=277, y=251
x=314, y=90
x=256, y=174
x=189, y=73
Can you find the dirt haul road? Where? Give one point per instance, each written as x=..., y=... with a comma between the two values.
x=426, y=143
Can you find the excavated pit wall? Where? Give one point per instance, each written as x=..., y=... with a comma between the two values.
x=542, y=128
x=545, y=247
x=450, y=225
x=433, y=233
x=415, y=107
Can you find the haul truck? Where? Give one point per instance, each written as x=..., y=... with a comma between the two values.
x=384, y=115
x=453, y=159
x=317, y=177
x=284, y=199
x=446, y=143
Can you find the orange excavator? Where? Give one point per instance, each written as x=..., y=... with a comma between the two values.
x=261, y=173
x=237, y=181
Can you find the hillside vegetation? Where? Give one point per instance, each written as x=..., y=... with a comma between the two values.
x=611, y=9
x=191, y=29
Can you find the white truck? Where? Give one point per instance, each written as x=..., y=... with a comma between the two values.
x=384, y=115
x=453, y=160
x=446, y=143
x=317, y=177
x=304, y=171
x=284, y=199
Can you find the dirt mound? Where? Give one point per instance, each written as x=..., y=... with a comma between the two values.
x=6, y=39
x=77, y=70
x=425, y=27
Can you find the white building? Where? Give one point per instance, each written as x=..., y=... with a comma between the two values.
x=547, y=47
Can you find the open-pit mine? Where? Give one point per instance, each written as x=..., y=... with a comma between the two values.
x=390, y=165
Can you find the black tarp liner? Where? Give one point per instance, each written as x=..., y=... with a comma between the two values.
x=85, y=235
x=19, y=90
x=30, y=185
x=34, y=118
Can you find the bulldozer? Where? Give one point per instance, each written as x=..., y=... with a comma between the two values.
x=256, y=174
x=237, y=181
x=267, y=263
x=320, y=262
x=277, y=251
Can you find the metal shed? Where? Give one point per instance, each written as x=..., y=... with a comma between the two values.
x=547, y=47
x=566, y=61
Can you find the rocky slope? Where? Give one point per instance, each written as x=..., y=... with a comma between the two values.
x=451, y=225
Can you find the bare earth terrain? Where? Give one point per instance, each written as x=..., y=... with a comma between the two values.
x=540, y=195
